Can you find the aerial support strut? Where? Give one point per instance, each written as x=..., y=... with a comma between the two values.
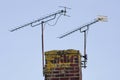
x=84, y=29
x=41, y=22
x=42, y=37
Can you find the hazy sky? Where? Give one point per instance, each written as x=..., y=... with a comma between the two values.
x=20, y=51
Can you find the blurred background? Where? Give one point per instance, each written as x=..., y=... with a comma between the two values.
x=20, y=51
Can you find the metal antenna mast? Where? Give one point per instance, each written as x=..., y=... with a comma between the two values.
x=84, y=29
x=41, y=22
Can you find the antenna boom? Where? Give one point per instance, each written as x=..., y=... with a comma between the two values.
x=101, y=18
x=62, y=12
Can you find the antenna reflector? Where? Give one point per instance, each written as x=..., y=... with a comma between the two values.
x=102, y=18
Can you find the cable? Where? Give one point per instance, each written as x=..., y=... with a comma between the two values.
x=55, y=21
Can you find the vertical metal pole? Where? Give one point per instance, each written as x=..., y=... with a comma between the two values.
x=84, y=42
x=85, y=55
x=42, y=37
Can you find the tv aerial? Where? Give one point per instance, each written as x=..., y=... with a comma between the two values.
x=42, y=21
x=84, y=29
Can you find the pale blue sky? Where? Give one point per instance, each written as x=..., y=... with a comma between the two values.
x=20, y=51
